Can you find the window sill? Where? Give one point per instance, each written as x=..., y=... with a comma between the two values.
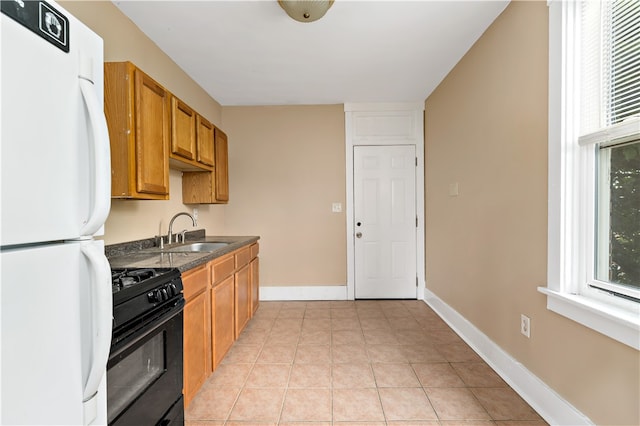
x=614, y=322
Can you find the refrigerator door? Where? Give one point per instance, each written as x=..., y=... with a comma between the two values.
x=55, y=339
x=55, y=171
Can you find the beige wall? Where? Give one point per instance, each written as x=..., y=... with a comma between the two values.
x=486, y=128
x=123, y=41
x=287, y=166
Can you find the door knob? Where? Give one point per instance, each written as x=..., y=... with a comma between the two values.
x=358, y=234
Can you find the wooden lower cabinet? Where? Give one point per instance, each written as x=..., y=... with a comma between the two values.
x=197, y=331
x=222, y=317
x=254, y=268
x=221, y=297
x=243, y=299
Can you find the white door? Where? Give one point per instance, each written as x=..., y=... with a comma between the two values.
x=385, y=222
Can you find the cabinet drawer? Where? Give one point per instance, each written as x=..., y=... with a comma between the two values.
x=195, y=282
x=243, y=256
x=254, y=250
x=222, y=268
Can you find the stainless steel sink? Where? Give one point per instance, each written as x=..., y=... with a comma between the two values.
x=206, y=247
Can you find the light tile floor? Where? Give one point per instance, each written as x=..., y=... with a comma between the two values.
x=347, y=363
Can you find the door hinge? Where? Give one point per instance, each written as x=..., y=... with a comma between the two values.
x=416, y=282
x=416, y=221
x=416, y=161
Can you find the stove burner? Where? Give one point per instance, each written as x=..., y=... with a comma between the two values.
x=123, y=278
x=127, y=281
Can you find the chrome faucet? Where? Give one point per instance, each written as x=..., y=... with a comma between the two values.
x=170, y=234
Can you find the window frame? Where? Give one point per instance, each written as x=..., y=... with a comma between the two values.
x=571, y=199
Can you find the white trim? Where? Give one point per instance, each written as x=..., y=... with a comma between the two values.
x=417, y=139
x=552, y=407
x=400, y=106
x=621, y=132
x=607, y=319
x=348, y=127
x=326, y=292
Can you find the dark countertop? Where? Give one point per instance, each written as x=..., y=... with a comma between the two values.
x=146, y=254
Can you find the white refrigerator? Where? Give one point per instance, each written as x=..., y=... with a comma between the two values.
x=55, y=296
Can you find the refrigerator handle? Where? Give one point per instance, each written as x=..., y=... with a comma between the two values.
x=100, y=159
x=102, y=313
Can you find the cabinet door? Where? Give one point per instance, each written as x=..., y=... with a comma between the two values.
x=222, y=166
x=242, y=299
x=152, y=135
x=137, y=112
x=255, y=284
x=197, y=330
x=222, y=319
x=205, y=141
x=195, y=345
x=183, y=129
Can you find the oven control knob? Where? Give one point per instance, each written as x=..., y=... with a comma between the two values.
x=157, y=295
x=151, y=296
x=174, y=289
x=169, y=291
x=164, y=293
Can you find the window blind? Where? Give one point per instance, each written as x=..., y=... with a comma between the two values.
x=610, y=69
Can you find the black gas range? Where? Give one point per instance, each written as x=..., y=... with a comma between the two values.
x=140, y=291
x=144, y=372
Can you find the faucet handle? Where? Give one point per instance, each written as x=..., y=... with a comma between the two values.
x=183, y=234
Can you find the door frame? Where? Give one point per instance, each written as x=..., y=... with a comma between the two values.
x=385, y=124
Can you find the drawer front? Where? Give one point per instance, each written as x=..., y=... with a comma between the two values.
x=195, y=282
x=254, y=250
x=222, y=268
x=243, y=256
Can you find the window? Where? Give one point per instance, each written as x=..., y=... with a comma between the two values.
x=617, y=240
x=594, y=165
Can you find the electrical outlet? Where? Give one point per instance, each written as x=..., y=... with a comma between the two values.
x=336, y=207
x=195, y=213
x=525, y=326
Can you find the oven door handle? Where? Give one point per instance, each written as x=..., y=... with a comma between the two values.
x=102, y=313
x=147, y=330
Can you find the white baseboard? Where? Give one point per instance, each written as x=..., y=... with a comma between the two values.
x=326, y=292
x=551, y=406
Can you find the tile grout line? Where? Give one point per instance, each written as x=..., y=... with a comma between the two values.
x=370, y=361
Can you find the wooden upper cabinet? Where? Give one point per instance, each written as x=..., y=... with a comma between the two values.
x=192, y=139
x=183, y=130
x=209, y=187
x=205, y=153
x=222, y=166
x=137, y=112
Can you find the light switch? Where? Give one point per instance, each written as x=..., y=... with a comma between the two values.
x=453, y=189
x=336, y=207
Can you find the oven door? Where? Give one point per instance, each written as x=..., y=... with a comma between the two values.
x=144, y=374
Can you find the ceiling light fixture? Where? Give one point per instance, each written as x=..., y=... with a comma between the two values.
x=306, y=10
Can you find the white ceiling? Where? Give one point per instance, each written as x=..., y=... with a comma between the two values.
x=253, y=53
